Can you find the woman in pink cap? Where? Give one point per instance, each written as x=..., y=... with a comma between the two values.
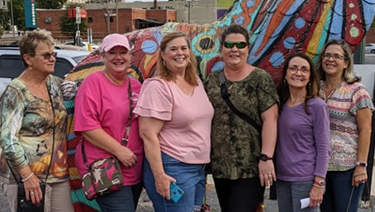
x=104, y=117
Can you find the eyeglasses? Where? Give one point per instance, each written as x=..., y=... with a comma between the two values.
x=334, y=56
x=231, y=44
x=294, y=69
x=47, y=55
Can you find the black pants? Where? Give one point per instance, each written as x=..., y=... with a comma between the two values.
x=242, y=195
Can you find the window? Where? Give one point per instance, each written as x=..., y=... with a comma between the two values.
x=89, y=20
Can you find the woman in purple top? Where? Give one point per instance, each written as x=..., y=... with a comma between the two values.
x=302, y=149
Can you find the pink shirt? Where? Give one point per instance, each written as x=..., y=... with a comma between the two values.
x=101, y=104
x=185, y=135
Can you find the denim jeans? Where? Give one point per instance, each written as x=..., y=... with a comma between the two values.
x=241, y=195
x=339, y=190
x=190, y=178
x=124, y=200
x=289, y=195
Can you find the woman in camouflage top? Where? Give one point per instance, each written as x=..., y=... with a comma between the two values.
x=237, y=146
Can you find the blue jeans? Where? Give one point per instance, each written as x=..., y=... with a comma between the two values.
x=338, y=191
x=190, y=178
x=289, y=195
x=124, y=200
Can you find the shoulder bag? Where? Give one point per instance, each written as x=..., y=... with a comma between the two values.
x=104, y=174
x=225, y=95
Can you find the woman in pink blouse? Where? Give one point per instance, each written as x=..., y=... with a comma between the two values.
x=175, y=125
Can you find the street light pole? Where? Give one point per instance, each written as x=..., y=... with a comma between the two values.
x=11, y=13
x=117, y=1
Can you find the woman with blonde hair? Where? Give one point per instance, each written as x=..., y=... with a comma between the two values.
x=175, y=125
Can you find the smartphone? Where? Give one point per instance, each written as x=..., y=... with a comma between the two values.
x=175, y=192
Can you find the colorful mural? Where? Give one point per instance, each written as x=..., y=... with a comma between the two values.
x=279, y=28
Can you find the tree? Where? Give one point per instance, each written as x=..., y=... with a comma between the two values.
x=18, y=13
x=68, y=25
x=50, y=4
x=4, y=19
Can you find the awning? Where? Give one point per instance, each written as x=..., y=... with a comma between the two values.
x=72, y=13
x=149, y=21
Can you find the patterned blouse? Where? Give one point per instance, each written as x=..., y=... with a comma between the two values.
x=26, y=132
x=343, y=103
x=236, y=145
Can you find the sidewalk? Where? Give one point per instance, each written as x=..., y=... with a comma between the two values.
x=145, y=204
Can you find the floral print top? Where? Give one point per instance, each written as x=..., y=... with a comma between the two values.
x=343, y=103
x=31, y=133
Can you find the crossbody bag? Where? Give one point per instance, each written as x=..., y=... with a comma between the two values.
x=225, y=95
x=104, y=175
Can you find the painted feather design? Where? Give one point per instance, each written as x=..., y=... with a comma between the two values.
x=279, y=27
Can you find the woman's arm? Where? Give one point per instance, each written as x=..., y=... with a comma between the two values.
x=269, y=132
x=149, y=129
x=102, y=140
x=363, y=118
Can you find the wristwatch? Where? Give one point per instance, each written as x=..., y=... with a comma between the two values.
x=320, y=182
x=264, y=157
x=361, y=164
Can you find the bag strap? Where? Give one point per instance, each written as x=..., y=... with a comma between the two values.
x=125, y=137
x=225, y=95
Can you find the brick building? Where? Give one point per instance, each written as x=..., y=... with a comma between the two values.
x=128, y=19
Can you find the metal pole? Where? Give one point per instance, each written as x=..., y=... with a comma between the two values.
x=11, y=13
x=117, y=16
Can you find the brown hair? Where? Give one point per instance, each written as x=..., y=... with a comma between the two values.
x=164, y=72
x=312, y=88
x=30, y=41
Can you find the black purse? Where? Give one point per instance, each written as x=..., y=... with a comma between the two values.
x=27, y=206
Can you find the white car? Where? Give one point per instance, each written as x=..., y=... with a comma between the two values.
x=370, y=48
x=11, y=65
x=85, y=45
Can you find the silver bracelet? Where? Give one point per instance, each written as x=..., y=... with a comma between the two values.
x=28, y=177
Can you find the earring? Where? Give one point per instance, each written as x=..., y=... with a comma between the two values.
x=163, y=62
x=285, y=82
x=309, y=85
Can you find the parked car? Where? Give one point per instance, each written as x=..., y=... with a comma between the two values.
x=11, y=65
x=370, y=48
x=85, y=45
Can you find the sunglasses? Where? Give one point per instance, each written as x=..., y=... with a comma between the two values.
x=231, y=44
x=47, y=55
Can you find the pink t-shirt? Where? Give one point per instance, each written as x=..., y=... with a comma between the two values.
x=185, y=135
x=101, y=104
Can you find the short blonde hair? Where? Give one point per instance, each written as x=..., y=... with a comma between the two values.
x=30, y=41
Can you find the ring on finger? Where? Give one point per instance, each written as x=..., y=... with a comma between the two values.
x=31, y=193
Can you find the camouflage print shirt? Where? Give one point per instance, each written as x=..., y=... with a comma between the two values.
x=26, y=130
x=236, y=145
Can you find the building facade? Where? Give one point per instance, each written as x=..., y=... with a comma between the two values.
x=106, y=21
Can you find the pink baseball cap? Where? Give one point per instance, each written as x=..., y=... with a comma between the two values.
x=113, y=40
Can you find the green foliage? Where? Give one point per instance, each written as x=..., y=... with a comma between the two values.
x=18, y=13
x=50, y=4
x=68, y=25
x=4, y=19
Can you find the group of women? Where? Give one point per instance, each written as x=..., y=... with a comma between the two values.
x=318, y=132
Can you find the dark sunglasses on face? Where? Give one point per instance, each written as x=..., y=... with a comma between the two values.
x=231, y=44
x=47, y=55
